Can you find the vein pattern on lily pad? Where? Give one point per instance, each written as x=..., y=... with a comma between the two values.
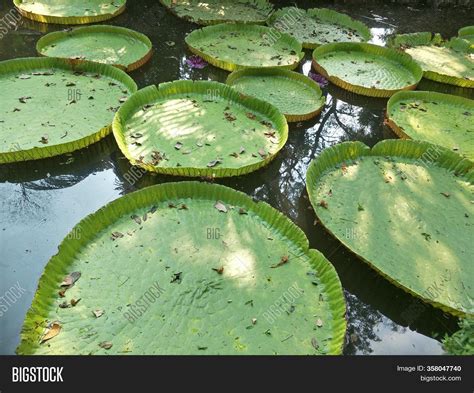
x=443, y=119
x=199, y=129
x=404, y=207
x=219, y=11
x=445, y=62
x=70, y=11
x=231, y=46
x=295, y=95
x=49, y=106
x=214, y=272
x=318, y=26
x=367, y=69
x=111, y=45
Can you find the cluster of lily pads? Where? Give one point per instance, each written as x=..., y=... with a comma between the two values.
x=255, y=286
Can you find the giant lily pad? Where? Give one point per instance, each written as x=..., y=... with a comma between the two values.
x=442, y=119
x=451, y=63
x=232, y=46
x=318, y=26
x=211, y=12
x=111, y=45
x=467, y=33
x=367, y=69
x=198, y=129
x=50, y=107
x=404, y=207
x=70, y=11
x=294, y=94
x=218, y=274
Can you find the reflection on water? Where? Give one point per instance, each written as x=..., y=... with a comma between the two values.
x=40, y=202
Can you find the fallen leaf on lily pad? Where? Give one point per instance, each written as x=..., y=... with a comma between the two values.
x=242, y=211
x=70, y=279
x=74, y=302
x=51, y=332
x=284, y=259
x=116, y=235
x=213, y=163
x=106, y=344
x=221, y=207
x=137, y=219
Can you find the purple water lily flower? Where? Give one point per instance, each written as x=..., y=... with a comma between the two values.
x=196, y=62
x=318, y=78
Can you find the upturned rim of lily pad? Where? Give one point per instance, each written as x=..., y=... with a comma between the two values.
x=56, y=36
x=58, y=266
x=68, y=20
x=403, y=59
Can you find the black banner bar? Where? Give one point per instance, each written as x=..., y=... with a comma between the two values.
x=320, y=374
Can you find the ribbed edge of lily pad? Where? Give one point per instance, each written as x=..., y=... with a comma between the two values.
x=35, y=63
x=293, y=76
x=467, y=33
x=240, y=27
x=391, y=54
x=67, y=20
x=50, y=38
x=263, y=4
x=416, y=150
x=58, y=265
x=170, y=89
x=324, y=14
x=467, y=30
x=421, y=95
x=405, y=41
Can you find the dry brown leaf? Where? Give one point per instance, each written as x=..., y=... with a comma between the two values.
x=284, y=259
x=70, y=279
x=51, y=332
x=106, y=344
x=221, y=207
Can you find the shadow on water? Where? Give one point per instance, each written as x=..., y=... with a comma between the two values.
x=41, y=201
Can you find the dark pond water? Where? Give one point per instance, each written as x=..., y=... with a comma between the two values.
x=40, y=202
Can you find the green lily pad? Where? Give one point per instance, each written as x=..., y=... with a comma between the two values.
x=451, y=62
x=220, y=11
x=318, y=26
x=404, y=207
x=231, y=46
x=70, y=12
x=442, y=119
x=50, y=107
x=294, y=94
x=214, y=271
x=198, y=128
x=467, y=33
x=117, y=46
x=367, y=69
